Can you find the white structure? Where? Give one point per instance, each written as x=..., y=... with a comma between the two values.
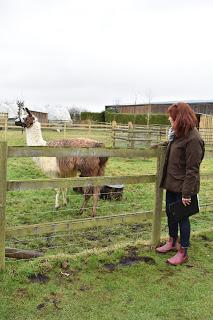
x=10, y=108
x=55, y=113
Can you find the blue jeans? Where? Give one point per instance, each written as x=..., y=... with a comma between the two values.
x=173, y=225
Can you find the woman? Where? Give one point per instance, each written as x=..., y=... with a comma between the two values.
x=181, y=178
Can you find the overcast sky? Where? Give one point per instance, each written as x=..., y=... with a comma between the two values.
x=92, y=53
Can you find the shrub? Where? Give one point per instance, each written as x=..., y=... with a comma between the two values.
x=93, y=116
x=137, y=118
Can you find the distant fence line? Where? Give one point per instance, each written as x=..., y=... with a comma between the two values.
x=129, y=135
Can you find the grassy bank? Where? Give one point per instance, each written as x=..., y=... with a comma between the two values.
x=134, y=283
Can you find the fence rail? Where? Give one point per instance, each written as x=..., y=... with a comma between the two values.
x=36, y=184
x=23, y=151
x=79, y=224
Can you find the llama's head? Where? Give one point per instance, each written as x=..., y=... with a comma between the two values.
x=25, y=118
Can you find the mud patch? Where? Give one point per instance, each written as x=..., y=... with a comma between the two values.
x=53, y=299
x=148, y=260
x=132, y=257
x=132, y=251
x=129, y=260
x=138, y=227
x=38, y=278
x=40, y=306
x=110, y=267
x=22, y=293
x=91, y=237
x=84, y=287
x=205, y=238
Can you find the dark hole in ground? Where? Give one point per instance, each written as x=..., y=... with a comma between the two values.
x=84, y=287
x=138, y=227
x=204, y=237
x=38, y=278
x=129, y=260
x=133, y=258
x=132, y=251
x=206, y=245
x=110, y=267
x=148, y=260
x=40, y=306
x=92, y=237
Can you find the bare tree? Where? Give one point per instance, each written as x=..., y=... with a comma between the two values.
x=74, y=113
x=149, y=97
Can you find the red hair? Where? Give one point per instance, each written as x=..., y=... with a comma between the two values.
x=184, y=118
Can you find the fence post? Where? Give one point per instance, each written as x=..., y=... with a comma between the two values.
x=114, y=124
x=65, y=126
x=89, y=125
x=130, y=128
x=5, y=128
x=3, y=186
x=156, y=223
x=132, y=145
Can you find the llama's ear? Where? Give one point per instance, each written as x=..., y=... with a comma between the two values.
x=28, y=111
x=20, y=103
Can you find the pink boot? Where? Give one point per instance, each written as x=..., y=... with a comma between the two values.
x=168, y=246
x=179, y=258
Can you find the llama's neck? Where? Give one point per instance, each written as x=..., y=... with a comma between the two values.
x=34, y=135
x=34, y=138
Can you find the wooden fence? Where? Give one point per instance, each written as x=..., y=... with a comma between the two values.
x=128, y=135
x=3, y=124
x=139, y=136
x=36, y=184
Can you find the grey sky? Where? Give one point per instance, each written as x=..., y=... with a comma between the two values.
x=93, y=53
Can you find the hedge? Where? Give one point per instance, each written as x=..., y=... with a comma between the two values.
x=138, y=118
x=93, y=116
x=125, y=117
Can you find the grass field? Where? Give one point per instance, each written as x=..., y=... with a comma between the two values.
x=131, y=283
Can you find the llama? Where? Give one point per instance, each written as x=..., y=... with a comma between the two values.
x=64, y=167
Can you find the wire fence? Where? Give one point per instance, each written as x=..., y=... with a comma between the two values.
x=76, y=241
x=133, y=200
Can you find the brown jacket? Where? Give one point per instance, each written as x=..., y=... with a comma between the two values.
x=182, y=163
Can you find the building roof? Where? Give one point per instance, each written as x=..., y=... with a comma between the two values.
x=162, y=102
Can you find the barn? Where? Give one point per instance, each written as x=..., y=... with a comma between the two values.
x=203, y=110
x=42, y=116
x=200, y=107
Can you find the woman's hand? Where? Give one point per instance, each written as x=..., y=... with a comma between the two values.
x=186, y=201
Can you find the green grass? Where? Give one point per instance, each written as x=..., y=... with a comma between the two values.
x=88, y=288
